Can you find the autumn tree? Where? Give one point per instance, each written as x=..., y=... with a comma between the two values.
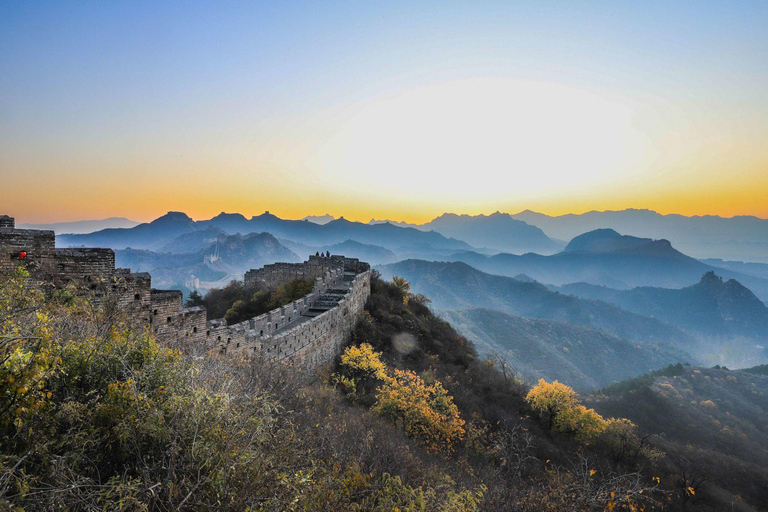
x=555, y=399
x=404, y=287
x=425, y=411
x=361, y=369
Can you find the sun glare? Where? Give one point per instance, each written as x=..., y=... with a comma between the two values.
x=515, y=138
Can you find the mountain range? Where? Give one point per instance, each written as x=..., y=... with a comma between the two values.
x=605, y=257
x=740, y=238
x=585, y=358
x=225, y=257
x=82, y=226
x=158, y=233
x=711, y=307
x=455, y=285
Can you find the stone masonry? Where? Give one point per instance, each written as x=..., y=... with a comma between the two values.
x=307, y=333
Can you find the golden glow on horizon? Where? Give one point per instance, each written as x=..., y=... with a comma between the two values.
x=471, y=146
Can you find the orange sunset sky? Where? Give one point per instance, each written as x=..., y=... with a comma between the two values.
x=389, y=111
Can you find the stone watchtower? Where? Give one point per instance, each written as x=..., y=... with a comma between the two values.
x=7, y=222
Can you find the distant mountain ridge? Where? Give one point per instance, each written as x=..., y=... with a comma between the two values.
x=226, y=257
x=82, y=226
x=742, y=238
x=459, y=286
x=320, y=219
x=604, y=257
x=582, y=357
x=497, y=231
x=159, y=232
x=711, y=307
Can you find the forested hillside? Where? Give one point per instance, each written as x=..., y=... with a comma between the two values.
x=715, y=420
x=585, y=358
x=97, y=415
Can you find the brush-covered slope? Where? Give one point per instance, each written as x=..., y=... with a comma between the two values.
x=717, y=419
x=459, y=286
x=583, y=358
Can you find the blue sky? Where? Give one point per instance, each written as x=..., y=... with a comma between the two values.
x=100, y=93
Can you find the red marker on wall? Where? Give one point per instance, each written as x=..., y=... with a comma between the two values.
x=22, y=254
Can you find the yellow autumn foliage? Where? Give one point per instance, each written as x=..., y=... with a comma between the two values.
x=425, y=411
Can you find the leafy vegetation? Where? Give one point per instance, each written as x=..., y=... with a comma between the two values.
x=96, y=415
x=425, y=411
x=235, y=304
x=715, y=429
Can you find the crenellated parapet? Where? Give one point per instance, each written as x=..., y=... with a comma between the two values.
x=306, y=333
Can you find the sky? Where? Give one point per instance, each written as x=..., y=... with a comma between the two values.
x=398, y=110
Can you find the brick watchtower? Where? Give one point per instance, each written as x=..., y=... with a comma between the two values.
x=7, y=222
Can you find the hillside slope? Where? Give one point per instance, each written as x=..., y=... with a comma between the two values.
x=716, y=419
x=712, y=307
x=583, y=358
x=459, y=286
x=604, y=257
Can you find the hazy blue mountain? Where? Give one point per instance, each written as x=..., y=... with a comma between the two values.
x=742, y=238
x=604, y=240
x=82, y=226
x=320, y=219
x=459, y=286
x=711, y=307
x=497, y=231
x=160, y=232
x=151, y=235
x=604, y=257
x=399, y=223
x=752, y=269
x=194, y=241
x=584, y=358
x=228, y=257
x=373, y=254
x=334, y=232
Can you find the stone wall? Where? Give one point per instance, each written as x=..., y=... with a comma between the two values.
x=269, y=277
x=84, y=264
x=291, y=335
x=39, y=247
x=308, y=333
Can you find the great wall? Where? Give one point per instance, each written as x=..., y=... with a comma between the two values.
x=306, y=333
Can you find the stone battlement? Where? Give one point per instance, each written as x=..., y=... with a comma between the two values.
x=308, y=332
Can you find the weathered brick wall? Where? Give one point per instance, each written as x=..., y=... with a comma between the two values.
x=270, y=277
x=84, y=264
x=40, y=249
x=133, y=294
x=163, y=305
x=310, y=344
x=318, y=342
x=289, y=333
